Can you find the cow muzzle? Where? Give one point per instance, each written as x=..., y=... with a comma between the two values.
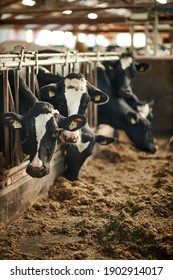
x=68, y=137
x=37, y=172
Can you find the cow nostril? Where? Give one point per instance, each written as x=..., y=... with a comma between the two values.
x=42, y=171
x=29, y=168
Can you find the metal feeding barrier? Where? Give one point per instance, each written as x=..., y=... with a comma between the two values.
x=25, y=64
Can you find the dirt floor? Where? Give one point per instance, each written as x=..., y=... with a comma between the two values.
x=121, y=208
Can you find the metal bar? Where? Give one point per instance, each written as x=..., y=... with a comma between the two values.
x=155, y=34
x=27, y=76
x=11, y=100
x=32, y=84
x=132, y=38
x=18, y=155
x=55, y=59
x=6, y=109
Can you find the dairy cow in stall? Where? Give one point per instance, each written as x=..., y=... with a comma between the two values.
x=120, y=74
x=40, y=124
x=124, y=111
x=72, y=95
x=78, y=154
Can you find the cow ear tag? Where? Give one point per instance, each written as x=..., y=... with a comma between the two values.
x=132, y=118
x=133, y=121
x=107, y=141
x=100, y=98
x=142, y=67
x=72, y=125
x=97, y=98
x=51, y=93
x=17, y=125
x=104, y=142
x=11, y=123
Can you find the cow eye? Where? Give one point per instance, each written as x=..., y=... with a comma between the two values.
x=55, y=133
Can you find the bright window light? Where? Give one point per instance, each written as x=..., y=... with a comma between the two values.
x=101, y=41
x=57, y=38
x=44, y=37
x=91, y=40
x=29, y=36
x=162, y=1
x=92, y=16
x=28, y=2
x=124, y=39
x=139, y=40
x=69, y=40
x=82, y=37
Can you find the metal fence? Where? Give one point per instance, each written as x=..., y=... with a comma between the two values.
x=26, y=65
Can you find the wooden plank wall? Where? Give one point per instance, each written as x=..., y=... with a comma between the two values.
x=157, y=84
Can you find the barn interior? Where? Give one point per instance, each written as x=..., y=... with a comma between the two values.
x=61, y=36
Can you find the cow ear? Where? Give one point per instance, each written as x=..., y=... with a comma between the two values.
x=12, y=120
x=73, y=122
x=104, y=140
x=142, y=67
x=48, y=93
x=132, y=118
x=96, y=95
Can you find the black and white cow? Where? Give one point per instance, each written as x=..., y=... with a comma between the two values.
x=120, y=74
x=41, y=125
x=119, y=113
x=70, y=95
x=76, y=155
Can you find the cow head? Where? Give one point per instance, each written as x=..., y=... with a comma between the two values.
x=77, y=155
x=139, y=131
x=71, y=95
x=41, y=127
x=122, y=71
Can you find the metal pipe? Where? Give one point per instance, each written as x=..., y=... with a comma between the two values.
x=155, y=34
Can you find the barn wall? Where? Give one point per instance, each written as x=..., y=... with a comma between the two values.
x=157, y=84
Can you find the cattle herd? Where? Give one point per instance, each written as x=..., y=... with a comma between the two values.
x=60, y=114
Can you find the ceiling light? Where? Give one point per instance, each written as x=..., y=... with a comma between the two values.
x=67, y=12
x=162, y=1
x=28, y=2
x=92, y=15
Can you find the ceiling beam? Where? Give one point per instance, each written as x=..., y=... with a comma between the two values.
x=118, y=29
x=7, y=3
x=60, y=20
x=140, y=7
x=75, y=20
